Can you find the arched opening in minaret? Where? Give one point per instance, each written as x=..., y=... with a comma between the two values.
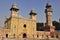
x=24, y=35
x=6, y=35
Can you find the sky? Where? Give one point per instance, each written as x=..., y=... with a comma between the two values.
x=26, y=6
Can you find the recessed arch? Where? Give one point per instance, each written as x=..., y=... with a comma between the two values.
x=24, y=35
x=6, y=35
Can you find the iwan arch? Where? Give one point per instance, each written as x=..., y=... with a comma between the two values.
x=19, y=27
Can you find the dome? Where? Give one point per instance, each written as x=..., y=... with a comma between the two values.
x=33, y=11
x=48, y=5
x=14, y=6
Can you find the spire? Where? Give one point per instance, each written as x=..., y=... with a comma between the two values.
x=14, y=7
x=33, y=12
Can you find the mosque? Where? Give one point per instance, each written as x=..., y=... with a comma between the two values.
x=19, y=27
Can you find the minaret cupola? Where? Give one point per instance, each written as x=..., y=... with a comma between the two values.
x=48, y=8
x=14, y=7
x=14, y=10
x=33, y=14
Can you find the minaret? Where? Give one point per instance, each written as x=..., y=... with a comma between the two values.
x=49, y=27
x=48, y=12
x=33, y=19
x=33, y=14
x=14, y=10
x=14, y=20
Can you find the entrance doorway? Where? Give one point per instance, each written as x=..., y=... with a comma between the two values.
x=6, y=35
x=14, y=35
x=24, y=35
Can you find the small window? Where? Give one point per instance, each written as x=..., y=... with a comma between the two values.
x=24, y=25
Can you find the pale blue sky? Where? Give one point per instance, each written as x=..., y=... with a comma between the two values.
x=25, y=7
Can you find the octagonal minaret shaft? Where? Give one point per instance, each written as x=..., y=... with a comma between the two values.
x=48, y=12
